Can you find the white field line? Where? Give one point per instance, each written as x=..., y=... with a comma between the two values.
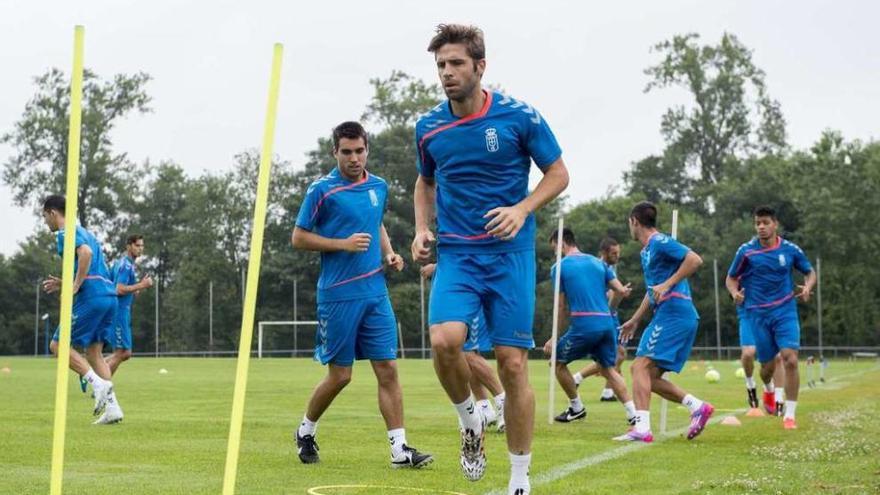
x=559, y=472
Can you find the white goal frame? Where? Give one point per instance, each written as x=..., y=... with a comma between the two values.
x=294, y=324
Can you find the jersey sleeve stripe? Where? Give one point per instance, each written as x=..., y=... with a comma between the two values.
x=481, y=113
x=336, y=190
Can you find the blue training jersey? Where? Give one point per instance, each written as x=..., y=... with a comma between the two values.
x=122, y=272
x=98, y=282
x=335, y=207
x=584, y=281
x=481, y=162
x=766, y=273
x=661, y=258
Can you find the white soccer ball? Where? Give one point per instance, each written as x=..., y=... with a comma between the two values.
x=740, y=373
x=713, y=376
x=163, y=371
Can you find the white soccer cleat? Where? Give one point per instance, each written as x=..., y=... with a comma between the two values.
x=102, y=394
x=490, y=417
x=473, y=456
x=500, y=416
x=112, y=415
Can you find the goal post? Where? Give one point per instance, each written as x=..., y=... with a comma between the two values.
x=262, y=325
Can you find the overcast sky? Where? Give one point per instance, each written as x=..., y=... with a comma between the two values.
x=580, y=63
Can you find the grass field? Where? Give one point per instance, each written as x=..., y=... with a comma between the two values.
x=173, y=439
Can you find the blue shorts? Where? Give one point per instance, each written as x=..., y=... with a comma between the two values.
x=746, y=332
x=775, y=330
x=92, y=320
x=501, y=284
x=120, y=335
x=478, y=336
x=669, y=337
x=356, y=329
x=588, y=336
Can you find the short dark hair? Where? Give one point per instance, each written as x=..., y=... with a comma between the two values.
x=567, y=236
x=764, y=211
x=54, y=202
x=133, y=238
x=645, y=213
x=349, y=130
x=608, y=243
x=469, y=36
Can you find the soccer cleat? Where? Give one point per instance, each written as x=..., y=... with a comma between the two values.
x=780, y=408
x=102, y=394
x=633, y=436
x=608, y=399
x=307, y=448
x=518, y=491
x=753, y=398
x=500, y=415
x=112, y=415
x=83, y=384
x=789, y=424
x=631, y=421
x=411, y=458
x=473, y=456
x=570, y=415
x=699, y=418
x=490, y=417
x=770, y=403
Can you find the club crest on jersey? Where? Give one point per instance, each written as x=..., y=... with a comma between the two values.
x=374, y=199
x=782, y=260
x=491, y=140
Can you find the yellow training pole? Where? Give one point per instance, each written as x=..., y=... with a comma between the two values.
x=253, y=274
x=58, y=433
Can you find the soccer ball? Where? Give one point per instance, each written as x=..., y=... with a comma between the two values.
x=713, y=376
x=163, y=371
x=740, y=373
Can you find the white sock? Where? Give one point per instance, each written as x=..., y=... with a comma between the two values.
x=750, y=382
x=576, y=404
x=397, y=438
x=93, y=378
x=630, y=409
x=499, y=401
x=643, y=421
x=484, y=405
x=692, y=403
x=578, y=378
x=307, y=427
x=779, y=396
x=519, y=471
x=769, y=387
x=607, y=393
x=790, y=406
x=467, y=415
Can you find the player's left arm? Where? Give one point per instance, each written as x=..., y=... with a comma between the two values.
x=802, y=264
x=84, y=257
x=691, y=263
x=391, y=258
x=506, y=221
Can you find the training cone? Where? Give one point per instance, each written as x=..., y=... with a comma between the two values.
x=731, y=421
x=755, y=413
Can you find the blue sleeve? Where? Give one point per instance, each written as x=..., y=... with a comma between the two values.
x=801, y=263
x=78, y=241
x=540, y=142
x=129, y=275
x=424, y=162
x=609, y=274
x=59, y=243
x=673, y=249
x=739, y=263
x=114, y=272
x=309, y=212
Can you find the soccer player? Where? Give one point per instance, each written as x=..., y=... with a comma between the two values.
x=609, y=252
x=94, y=309
x=583, y=282
x=773, y=399
x=127, y=285
x=474, y=154
x=760, y=279
x=483, y=378
x=341, y=217
x=667, y=341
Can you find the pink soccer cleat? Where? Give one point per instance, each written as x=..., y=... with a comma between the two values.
x=699, y=419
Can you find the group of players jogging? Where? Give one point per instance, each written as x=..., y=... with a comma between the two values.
x=471, y=200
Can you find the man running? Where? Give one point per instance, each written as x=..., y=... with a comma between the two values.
x=127, y=285
x=474, y=155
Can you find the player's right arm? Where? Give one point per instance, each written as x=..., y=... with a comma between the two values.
x=629, y=328
x=560, y=322
x=310, y=241
x=84, y=258
x=423, y=202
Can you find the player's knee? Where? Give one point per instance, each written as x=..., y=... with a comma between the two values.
x=386, y=372
x=748, y=354
x=339, y=378
x=124, y=355
x=444, y=347
x=790, y=360
x=513, y=367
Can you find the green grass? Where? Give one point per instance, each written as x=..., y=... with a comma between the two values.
x=173, y=439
